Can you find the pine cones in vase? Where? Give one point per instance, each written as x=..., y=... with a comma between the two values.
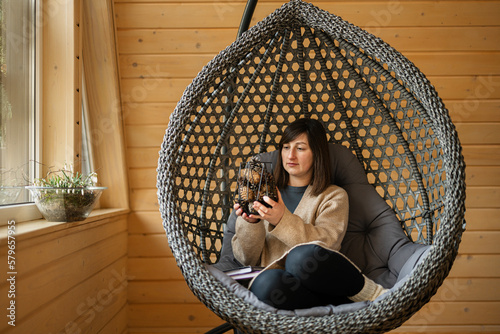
x=255, y=182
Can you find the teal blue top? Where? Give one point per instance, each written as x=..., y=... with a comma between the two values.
x=291, y=196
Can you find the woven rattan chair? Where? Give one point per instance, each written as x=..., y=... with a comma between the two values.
x=304, y=62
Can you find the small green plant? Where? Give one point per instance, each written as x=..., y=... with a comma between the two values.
x=67, y=178
x=65, y=195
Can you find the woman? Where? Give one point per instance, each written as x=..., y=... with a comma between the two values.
x=298, y=237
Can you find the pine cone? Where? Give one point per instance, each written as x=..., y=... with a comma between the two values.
x=249, y=175
x=246, y=194
x=255, y=182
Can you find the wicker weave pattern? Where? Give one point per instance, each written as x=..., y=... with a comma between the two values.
x=304, y=62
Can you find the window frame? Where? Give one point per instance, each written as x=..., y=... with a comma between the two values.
x=28, y=210
x=60, y=86
x=57, y=100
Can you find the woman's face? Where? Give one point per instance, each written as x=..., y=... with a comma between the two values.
x=297, y=160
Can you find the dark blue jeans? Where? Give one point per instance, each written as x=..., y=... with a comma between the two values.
x=313, y=276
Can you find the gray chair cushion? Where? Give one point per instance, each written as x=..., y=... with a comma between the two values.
x=245, y=294
x=374, y=240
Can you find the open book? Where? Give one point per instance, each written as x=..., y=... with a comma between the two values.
x=242, y=273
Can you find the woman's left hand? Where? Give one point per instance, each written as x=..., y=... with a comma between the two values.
x=273, y=214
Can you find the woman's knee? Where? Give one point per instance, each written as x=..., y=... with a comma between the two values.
x=271, y=286
x=305, y=259
x=282, y=290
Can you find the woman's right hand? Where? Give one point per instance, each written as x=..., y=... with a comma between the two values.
x=249, y=218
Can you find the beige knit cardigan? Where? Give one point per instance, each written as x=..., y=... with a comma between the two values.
x=317, y=219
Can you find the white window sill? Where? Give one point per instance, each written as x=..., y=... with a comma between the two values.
x=35, y=228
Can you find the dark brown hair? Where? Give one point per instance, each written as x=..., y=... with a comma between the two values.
x=316, y=135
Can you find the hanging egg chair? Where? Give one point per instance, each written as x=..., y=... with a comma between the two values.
x=383, y=118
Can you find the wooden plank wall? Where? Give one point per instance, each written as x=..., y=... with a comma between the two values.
x=70, y=278
x=163, y=44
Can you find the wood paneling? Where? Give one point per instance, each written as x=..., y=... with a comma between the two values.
x=483, y=197
x=163, y=44
x=212, y=40
x=103, y=100
x=226, y=14
x=153, y=269
x=446, y=313
x=170, y=292
x=188, y=65
x=482, y=219
x=144, y=157
x=135, y=91
x=145, y=222
x=150, y=245
x=145, y=135
x=148, y=113
x=163, y=66
x=482, y=155
x=449, y=329
x=61, y=85
x=473, y=110
x=72, y=279
x=166, y=315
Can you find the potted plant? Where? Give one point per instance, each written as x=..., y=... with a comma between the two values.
x=65, y=195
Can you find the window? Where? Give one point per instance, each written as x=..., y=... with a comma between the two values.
x=45, y=119
x=18, y=128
